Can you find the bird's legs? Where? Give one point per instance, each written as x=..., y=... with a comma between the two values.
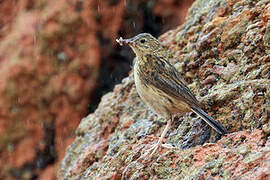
x=161, y=138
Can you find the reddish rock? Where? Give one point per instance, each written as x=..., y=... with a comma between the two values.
x=172, y=12
x=51, y=56
x=48, y=173
x=45, y=83
x=225, y=39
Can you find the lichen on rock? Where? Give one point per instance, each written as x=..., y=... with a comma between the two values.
x=222, y=52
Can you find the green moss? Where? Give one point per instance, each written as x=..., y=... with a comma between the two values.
x=227, y=174
x=250, y=158
x=243, y=149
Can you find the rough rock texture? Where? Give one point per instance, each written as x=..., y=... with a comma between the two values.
x=56, y=59
x=222, y=51
x=48, y=70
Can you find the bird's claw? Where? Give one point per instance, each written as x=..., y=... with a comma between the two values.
x=155, y=147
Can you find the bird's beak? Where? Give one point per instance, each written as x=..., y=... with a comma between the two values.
x=129, y=42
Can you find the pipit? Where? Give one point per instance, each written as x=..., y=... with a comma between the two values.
x=160, y=85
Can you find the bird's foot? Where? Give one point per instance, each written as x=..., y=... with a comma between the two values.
x=155, y=147
x=168, y=146
x=150, y=152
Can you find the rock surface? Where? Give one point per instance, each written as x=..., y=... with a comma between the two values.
x=45, y=84
x=222, y=51
x=56, y=60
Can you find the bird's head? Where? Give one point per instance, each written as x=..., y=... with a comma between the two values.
x=142, y=44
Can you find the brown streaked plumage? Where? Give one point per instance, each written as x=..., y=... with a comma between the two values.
x=160, y=85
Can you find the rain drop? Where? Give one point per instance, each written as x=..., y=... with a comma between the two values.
x=163, y=20
x=62, y=56
x=10, y=147
x=134, y=24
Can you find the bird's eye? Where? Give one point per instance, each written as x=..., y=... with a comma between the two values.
x=142, y=41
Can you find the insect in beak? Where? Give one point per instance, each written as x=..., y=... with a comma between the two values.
x=129, y=42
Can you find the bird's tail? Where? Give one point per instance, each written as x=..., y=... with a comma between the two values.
x=211, y=121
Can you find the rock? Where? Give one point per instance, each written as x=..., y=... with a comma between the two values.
x=57, y=58
x=110, y=143
x=43, y=97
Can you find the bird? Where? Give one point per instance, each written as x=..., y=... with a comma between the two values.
x=161, y=86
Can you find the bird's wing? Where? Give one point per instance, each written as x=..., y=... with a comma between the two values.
x=166, y=78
